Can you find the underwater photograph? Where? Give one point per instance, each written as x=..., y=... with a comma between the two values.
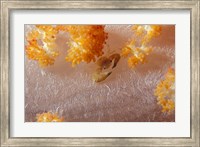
x=99, y=73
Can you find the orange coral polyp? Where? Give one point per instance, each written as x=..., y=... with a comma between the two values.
x=133, y=61
x=87, y=42
x=63, y=28
x=154, y=31
x=125, y=51
x=146, y=32
x=138, y=54
x=139, y=29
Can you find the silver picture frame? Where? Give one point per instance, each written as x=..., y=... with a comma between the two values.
x=193, y=6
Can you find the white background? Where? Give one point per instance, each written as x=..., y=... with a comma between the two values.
x=179, y=128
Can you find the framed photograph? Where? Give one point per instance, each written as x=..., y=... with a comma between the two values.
x=100, y=73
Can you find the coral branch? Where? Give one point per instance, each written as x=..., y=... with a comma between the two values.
x=165, y=91
x=41, y=45
x=48, y=117
x=141, y=50
x=87, y=42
